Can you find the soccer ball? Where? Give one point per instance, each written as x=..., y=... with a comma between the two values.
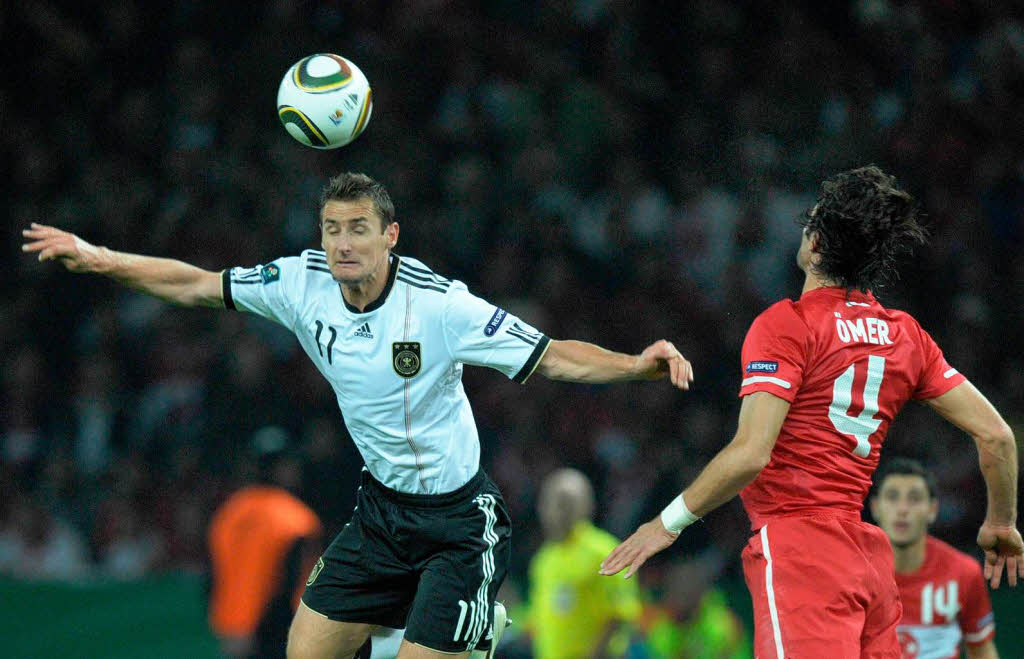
x=324, y=101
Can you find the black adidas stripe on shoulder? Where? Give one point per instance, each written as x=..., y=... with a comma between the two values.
x=426, y=280
x=419, y=284
x=315, y=256
x=424, y=271
x=318, y=267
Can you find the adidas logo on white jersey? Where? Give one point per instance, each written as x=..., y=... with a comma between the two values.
x=364, y=331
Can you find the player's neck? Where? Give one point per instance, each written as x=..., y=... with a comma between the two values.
x=910, y=558
x=362, y=294
x=813, y=281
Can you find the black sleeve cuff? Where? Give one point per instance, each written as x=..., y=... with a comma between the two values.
x=531, y=364
x=225, y=288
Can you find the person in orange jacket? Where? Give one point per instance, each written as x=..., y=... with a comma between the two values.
x=263, y=542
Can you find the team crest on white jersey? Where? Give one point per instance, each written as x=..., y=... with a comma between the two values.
x=405, y=357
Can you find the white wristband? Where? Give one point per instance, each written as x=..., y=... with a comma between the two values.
x=677, y=516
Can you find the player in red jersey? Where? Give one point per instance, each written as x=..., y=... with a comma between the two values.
x=823, y=378
x=942, y=590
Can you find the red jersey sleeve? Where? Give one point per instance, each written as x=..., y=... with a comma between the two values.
x=775, y=353
x=976, y=619
x=937, y=376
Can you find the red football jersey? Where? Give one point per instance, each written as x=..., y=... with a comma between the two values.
x=944, y=601
x=847, y=365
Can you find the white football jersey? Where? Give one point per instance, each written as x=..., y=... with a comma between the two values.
x=396, y=367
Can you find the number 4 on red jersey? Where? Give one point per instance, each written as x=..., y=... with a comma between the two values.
x=846, y=365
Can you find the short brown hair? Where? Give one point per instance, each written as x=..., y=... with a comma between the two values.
x=351, y=185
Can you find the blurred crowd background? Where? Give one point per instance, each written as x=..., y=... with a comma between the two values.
x=610, y=171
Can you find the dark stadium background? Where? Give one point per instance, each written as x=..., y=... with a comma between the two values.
x=612, y=171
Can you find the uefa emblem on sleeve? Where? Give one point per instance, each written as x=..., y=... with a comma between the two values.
x=405, y=357
x=270, y=273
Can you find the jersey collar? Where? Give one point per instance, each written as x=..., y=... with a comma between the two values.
x=383, y=297
x=853, y=295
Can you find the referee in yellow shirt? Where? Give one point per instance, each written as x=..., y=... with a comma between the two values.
x=575, y=613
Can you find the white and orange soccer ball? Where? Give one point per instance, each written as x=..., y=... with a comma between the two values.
x=324, y=101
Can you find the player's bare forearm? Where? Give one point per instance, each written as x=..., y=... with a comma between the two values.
x=986, y=650
x=578, y=361
x=728, y=472
x=167, y=279
x=739, y=463
x=735, y=466
x=966, y=407
x=997, y=458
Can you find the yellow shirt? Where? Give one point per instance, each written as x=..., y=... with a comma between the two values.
x=570, y=603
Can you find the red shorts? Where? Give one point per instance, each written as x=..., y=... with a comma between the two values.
x=822, y=586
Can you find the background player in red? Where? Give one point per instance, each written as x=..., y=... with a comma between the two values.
x=823, y=378
x=942, y=590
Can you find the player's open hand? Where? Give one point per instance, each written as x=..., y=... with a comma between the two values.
x=648, y=540
x=51, y=243
x=662, y=357
x=1003, y=547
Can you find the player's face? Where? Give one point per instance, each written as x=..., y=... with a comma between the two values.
x=904, y=509
x=803, y=255
x=350, y=233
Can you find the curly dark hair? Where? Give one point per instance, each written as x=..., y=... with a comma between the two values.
x=864, y=222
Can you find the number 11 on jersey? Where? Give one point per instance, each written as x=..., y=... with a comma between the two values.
x=864, y=424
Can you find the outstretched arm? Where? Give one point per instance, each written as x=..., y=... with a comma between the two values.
x=167, y=279
x=735, y=467
x=965, y=407
x=577, y=361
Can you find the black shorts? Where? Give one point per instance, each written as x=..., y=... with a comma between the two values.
x=431, y=564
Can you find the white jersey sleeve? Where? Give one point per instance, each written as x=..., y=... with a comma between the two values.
x=478, y=333
x=272, y=291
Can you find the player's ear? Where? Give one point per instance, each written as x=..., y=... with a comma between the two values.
x=873, y=504
x=933, y=511
x=813, y=240
x=391, y=235
x=813, y=243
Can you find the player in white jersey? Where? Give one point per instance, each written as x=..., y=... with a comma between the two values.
x=428, y=544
